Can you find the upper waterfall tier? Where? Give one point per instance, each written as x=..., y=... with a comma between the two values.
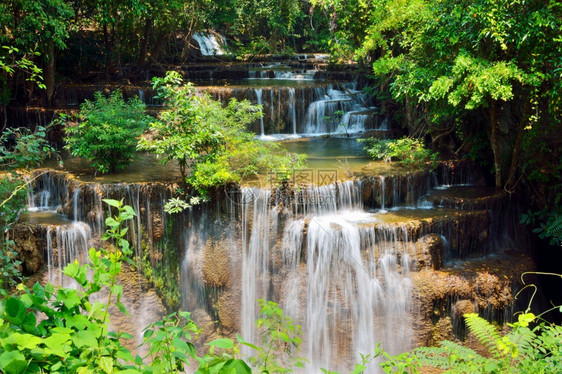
x=210, y=43
x=297, y=99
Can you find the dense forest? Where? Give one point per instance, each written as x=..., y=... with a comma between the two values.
x=472, y=80
x=478, y=79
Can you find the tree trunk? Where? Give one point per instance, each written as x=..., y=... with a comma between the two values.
x=108, y=48
x=144, y=42
x=157, y=49
x=494, y=143
x=510, y=183
x=50, y=72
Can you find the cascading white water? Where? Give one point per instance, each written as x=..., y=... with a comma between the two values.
x=293, y=110
x=345, y=297
x=382, y=181
x=72, y=243
x=336, y=111
x=49, y=194
x=255, y=255
x=259, y=101
x=209, y=43
x=75, y=205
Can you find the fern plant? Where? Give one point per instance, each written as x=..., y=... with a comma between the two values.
x=522, y=350
x=548, y=224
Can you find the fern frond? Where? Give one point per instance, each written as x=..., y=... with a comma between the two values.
x=523, y=339
x=450, y=355
x=554, y=227
x=485, y=332
x=435, y=357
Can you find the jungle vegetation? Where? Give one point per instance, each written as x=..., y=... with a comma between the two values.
x=479, y=79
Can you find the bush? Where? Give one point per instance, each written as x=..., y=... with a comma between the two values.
x=72, y=335
x=406, y=152
x=13, y=198
x=107, y=130
x=523, y=350
x=19, y=148
x=22, y=148
x=208, y=140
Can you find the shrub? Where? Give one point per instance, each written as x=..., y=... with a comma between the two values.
x=208, y=140
x=107, y=130
x=21, y=148
x=13, y=197
x=407, y=152
x=72, y=336
x=523, y=350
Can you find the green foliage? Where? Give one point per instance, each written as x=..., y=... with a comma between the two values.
x=404, y=363
x=13, y=196
x=21, y=148
x=209, y=140
x=177, y=205
x=465, y=67
x=21, y=44
x=280, y=341
x=194, y=128
x=408, y=152
x=270, y=27
x=522, y=350
x=22, y=19
x=107, y=130
x=12, y=60
x=348, y=24
x=73, y=336
x=167, y=341
x=548, y=224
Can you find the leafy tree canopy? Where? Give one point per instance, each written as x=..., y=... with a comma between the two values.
x=107, y=131
x=208, y=140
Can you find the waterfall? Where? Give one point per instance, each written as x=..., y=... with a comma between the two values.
x=382, y=209
x=210, y=44
x=75, y=200
x=259, y=101
x=255, y=255
x=331, y=282
x=49, y=192
x=323, y=114
x=292, y=109
x=71, y=243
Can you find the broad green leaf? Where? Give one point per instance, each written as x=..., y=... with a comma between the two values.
x=56, y=344
x=15, y=311
x=13, y=362
x=23, y=341
x=29, y=322
x=239, y=366
x=85, y=338
x=68, y=297
x=224, y=343
x=111, y=222
x=106, y=364
x=85, y=370
x=111, y=202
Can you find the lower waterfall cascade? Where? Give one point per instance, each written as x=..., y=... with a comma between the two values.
x=344, y=260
